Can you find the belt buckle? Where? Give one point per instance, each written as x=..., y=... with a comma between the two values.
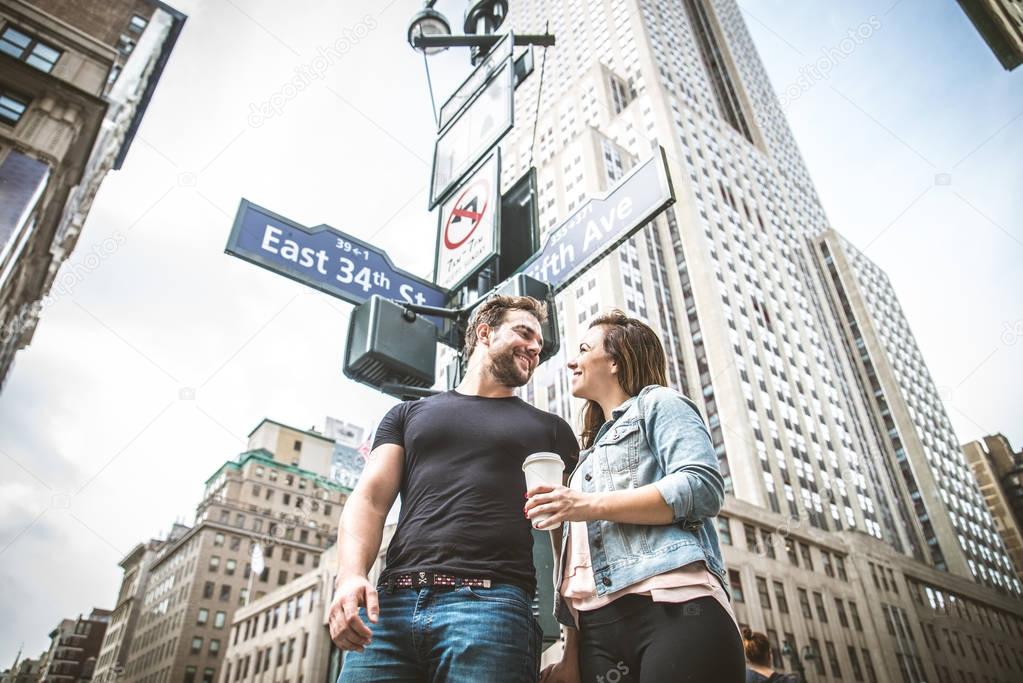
x=422, y=579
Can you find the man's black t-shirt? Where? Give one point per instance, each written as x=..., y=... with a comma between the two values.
x=462, y=489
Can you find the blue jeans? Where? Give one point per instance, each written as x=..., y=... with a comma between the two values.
x=449, y=635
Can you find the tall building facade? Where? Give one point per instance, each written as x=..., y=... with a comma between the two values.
x=74, y=648
x=999, y=473
x=113, y=655
x=264, y=520
x=843, y=498
x=75, y=81
x=956, y=528
x=285, y=635
x=1000, y=24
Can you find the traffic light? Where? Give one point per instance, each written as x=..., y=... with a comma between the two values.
x=390, y=348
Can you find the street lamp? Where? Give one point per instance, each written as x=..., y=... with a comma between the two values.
x=809, y=655
x=428, y=22
x=484, y=17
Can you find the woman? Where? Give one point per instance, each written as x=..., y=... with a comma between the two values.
x=640, y=578
x=758, y=655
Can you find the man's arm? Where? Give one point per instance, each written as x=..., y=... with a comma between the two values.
x=358, y=541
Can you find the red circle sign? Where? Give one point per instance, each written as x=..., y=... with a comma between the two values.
x=460, y=211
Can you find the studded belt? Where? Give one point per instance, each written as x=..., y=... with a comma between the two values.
x=427, y=579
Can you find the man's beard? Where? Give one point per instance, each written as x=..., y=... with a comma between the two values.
x=504, y=368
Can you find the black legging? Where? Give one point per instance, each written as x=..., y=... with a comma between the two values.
x=637, y=640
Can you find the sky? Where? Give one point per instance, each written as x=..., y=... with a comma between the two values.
x=159, y=353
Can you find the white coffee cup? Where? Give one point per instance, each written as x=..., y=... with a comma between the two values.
x=543, y=469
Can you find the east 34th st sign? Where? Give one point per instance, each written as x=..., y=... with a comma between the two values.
x=325, y=258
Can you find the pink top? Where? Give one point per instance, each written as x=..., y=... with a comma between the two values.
x=686, y=583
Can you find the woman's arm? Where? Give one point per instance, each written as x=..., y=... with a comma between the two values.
x=644, y=505
x=692, y=484
x=691, y=489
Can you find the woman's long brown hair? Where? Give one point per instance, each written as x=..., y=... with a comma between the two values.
x=635, y=348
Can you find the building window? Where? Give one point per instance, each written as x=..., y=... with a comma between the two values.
x=218, y=619
x=214, y=563
x=751, y=538
x=790, y=548
x=724, y=531
x=12, y=107
x=229, y=567
x=28, y=49
x=196, y=645
x=804, y=550
x=218, y=540
x=282, y=577
x=137, y=23
x=189, y=674
x=214, y=647
x=836, y=670
x=735, y=583
x=779, y=596
x=125, y=45
x=765, y=595
x=804, y=603
x=840, y=608
x=818, y=601
x=204, y=616
x=207, y=675
x=225, y=593
x=854, y=612
x=207, y=589
x=826, y=561
x=818, y=660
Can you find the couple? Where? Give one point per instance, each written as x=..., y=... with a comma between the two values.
x=639, y=584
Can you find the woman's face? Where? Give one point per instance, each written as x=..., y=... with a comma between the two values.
x=593, y=371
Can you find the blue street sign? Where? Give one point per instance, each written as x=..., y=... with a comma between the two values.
x=325, y=258
x=602, y=223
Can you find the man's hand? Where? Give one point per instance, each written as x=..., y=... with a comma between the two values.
x=565, y=671
x=347, y=629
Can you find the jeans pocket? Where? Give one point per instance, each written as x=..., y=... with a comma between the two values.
x=504, y=594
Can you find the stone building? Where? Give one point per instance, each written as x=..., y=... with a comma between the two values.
x=74, y=647
x=999, y=472
x=75, y=81
x=285, y=636
x=261, y=508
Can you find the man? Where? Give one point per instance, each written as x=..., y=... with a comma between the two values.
x=454, y=602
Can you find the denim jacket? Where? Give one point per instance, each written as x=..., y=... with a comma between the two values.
x=659, y=438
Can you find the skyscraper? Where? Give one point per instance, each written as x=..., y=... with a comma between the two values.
x=860, y=511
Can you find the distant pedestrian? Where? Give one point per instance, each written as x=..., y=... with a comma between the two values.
x=758, y=660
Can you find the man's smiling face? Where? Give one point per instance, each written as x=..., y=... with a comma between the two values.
x=514, y=349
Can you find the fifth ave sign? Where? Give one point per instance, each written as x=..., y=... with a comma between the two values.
x=602, y=223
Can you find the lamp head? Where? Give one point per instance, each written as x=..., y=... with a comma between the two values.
x=485, y=16
x=428, y=22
